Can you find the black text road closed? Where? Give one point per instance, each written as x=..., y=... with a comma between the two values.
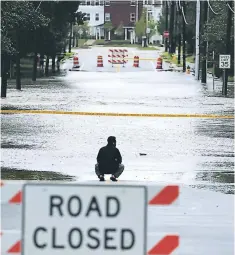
x=80, y=219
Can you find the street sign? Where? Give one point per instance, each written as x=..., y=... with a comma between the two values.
x=224, y=61
x=79, y=219
x=166, y=34
x=148, y=30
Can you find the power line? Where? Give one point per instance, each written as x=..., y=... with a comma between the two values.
x=230, y=8
x=211, y=8
x=180, y=5
x=38, y=6
x=182, y=10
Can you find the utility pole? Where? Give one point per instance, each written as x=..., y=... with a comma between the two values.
x=178, y=33
x=197, y=59
x=228, y=34
x=183, y=36
x=70, y=36
x=204, y=46
x=172, y=20
x=166, y=26
x=136, y=14
x=146, y=29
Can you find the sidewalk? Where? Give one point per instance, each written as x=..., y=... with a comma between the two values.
x=89, y=42
x=218, y=82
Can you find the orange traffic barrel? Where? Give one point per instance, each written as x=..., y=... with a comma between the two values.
x=159, y=63
x=100, y=61
x=75, y=61
x=188, y=70
x=136, y=61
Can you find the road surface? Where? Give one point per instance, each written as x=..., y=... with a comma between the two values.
x=197, y=153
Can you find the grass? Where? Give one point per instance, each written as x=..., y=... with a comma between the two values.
x=170, y=58
x=67, y=55
x=190, y=59
x=18, y=174
x=174, y=60
x=122, y=43
x=231, y=79
x=148, y=48
x=119, y=45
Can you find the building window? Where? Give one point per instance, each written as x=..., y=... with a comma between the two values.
x=97, y=2
x=107, y=2
x=88, y=16
x=97, y=17
x=93, y=2
x=147, y=2
x=132, y=17
x=132, y=2
x=107, y=17
x=102, y=2
x=88, y=3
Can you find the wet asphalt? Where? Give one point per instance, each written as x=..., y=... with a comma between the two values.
x=195, y=152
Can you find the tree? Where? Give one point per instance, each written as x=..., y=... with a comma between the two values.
x=85, y=28
x=34, y=27
x=119, y=31
x=18, y=18
x=153, y=28
x=140, y=26
x=108, y=26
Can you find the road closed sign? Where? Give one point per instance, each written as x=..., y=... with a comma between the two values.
x=74, y=219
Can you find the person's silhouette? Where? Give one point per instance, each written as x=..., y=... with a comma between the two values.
x=109, y=161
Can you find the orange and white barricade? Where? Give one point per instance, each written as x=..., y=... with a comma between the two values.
x=118, y=56
x=100, y=61
x=159, y=63
x=136, y=61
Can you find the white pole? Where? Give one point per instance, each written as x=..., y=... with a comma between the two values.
x=136, y=15
x=213, y=70
x=137, y=11
x=197, y=40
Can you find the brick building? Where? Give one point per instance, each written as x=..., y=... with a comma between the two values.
x=123, y=14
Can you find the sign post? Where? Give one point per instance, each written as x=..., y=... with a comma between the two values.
x=83, y=219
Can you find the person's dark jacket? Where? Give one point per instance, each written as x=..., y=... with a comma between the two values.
x=109, y=158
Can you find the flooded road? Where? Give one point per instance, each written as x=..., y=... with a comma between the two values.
x=186, y=150
x=197, y=153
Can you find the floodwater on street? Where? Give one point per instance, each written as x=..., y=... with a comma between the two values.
x=187, y=150
x=193, y=152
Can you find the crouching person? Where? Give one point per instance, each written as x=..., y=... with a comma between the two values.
x=109, y=161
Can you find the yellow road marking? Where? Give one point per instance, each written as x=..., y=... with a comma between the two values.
x=148, y=59
x=156, y=115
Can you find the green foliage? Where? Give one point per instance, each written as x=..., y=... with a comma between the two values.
x=119, y=31
x=108, y=26
x=140, y=26
x=41, y=26
x=82, y=30
x=19, y=17
x=153, y=28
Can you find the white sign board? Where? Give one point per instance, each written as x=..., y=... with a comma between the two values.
x=224, y=61
x=77, y=219
x=148, y=30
